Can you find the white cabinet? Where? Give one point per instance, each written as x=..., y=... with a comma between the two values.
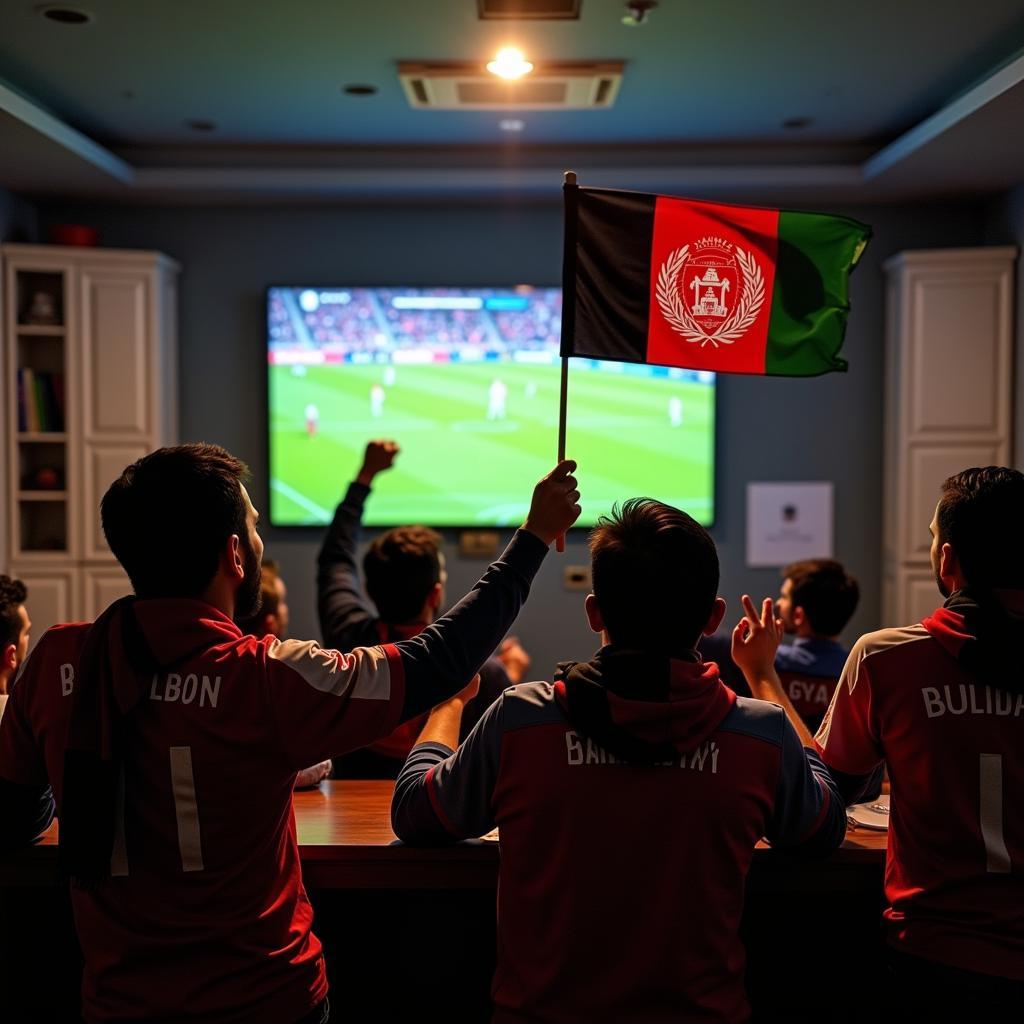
x=948, y=384
x=90, y=385
x=101, y=587
x=52, y=597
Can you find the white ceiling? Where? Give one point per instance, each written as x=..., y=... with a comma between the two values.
x=904, y=98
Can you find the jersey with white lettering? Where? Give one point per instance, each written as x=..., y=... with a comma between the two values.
x=954, y=747
x=621, y=884
x=205, y=917
x=808, y=668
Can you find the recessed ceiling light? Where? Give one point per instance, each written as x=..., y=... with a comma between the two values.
x=357, y=89
x=200, y=125
x=65, y=15
x=511, y=124
x=509, y=63
x=796, y=123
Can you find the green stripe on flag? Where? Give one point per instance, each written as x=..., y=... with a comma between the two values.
x=810, y=300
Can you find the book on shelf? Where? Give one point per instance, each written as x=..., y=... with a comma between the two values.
x=40, y=401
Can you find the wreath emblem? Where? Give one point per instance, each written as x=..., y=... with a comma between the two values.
x=673, y=302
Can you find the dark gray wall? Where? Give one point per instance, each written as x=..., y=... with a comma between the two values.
x=18, y=218
x=826, y=428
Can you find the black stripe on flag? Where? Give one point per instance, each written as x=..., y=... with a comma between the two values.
x=613, y=272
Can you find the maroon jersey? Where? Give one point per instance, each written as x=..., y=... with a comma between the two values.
x=204, y=916
x=953, y=740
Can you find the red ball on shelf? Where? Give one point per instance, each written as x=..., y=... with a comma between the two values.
x=46, y=479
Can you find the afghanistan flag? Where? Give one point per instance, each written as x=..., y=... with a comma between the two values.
x=736, y=289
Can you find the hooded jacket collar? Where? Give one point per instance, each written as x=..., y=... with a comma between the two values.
x=641, y=706
x=984, y=632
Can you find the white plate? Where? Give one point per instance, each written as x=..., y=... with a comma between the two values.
x=874, y=814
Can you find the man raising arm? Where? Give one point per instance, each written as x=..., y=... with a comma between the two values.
x=405, y=577
x=630, y=794
x=172, y=742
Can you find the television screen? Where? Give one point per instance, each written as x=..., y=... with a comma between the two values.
x=466, y=380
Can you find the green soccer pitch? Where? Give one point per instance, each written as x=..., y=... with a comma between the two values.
x=463, y=463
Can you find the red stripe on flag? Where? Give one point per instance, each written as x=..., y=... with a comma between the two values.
x=712, y=276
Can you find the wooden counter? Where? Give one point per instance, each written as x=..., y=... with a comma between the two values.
x=346, y=842
x=375, y=900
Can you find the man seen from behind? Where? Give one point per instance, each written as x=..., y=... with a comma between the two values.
x=629, y=795
x=173, y=740
x=942, y=702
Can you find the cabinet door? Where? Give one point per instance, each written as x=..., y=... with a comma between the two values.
x=116, y=354
x=104, y=463
x=102, y=587
x=919, y=595
x=50, y=597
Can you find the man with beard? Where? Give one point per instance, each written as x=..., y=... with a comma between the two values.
x=271, y=619
x=942, y=702
x=35, y=810
x=14, y=631
x=172, y=741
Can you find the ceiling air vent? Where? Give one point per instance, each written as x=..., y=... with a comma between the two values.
x=583, y=85
x=525, y=10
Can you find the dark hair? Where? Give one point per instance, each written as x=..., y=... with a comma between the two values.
x=401, y=567
x=827, y=593
x=980, y=514
x=270, y=600
x=655, y=575
x=168, y=516
x=12, y=596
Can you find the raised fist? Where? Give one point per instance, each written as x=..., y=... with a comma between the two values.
x=379, y=455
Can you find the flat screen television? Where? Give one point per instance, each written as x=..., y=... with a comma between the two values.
x=466, y=380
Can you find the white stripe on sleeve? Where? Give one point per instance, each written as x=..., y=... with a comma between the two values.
x=364, y=674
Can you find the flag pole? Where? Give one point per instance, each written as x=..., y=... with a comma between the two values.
x=569, y=193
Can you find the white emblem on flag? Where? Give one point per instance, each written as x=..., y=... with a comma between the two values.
x=711, y=295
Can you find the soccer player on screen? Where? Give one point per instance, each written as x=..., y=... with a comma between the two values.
x=312, y=420
x=675, y=411
x=377, y=396
x=172, y=741
x=942, y=701
x=630, y=795
x=497, y=396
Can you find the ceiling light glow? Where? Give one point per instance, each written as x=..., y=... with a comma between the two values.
x=509, y=63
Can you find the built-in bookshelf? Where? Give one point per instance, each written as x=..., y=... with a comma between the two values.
x=36, y=323
x=89, y=385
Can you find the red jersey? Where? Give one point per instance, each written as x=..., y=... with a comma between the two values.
x=953, y=741
x=621, y=884
x=213, y=751
x=204, y=916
